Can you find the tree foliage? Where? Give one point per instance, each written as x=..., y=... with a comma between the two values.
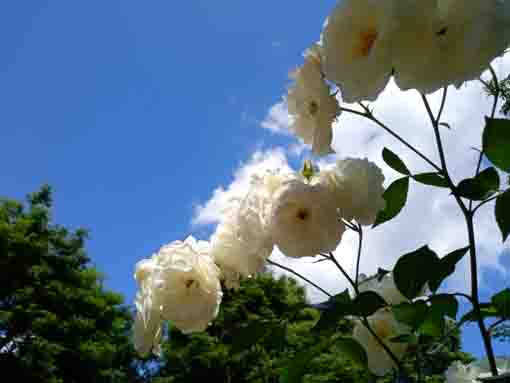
x=263, y=328
x=57, y=322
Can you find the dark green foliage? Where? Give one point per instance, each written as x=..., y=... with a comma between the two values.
x=502, y=303
x=431, y=179
x=446, y=267
x=395, y=197
x=496, y=141
x=502, y=213
x=415, y=269
x=300, y=353
x=394, y=162
x=57, y=322
x=275, y=303
x=480, y=187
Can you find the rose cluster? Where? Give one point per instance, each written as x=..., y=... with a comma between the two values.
x=423, y=45
x=302, y=216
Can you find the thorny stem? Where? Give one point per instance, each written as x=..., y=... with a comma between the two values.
x=369, y=115
x=468, y=215
x=299, y=276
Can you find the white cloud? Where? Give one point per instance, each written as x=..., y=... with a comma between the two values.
x=430, y=217
x=277, y=119
x=211, y=211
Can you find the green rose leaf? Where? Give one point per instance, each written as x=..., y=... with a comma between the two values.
x=496, y=141
x=432, y=179
x=487, y=310
x=336, y=308
x=480, y=187
x=352, y=350
x=411, y=314
x=502, y=303
x=413, y=270
x=446, y=267
x=394, y=162
x=405, y=338
x=445, y=304
x=502, y=212
x=367, y=303
x=396, y=198
x=433, y=324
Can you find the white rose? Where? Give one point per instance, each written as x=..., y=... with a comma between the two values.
x=356, y=48
x=147, y=329
x=357, y=188
x=143, y=270
x=482, y=367
x=460, y=373
x=450, y=44
x=242, y=241
x=384, y=324
x=385, y=287
x=304, y=220
x=240, y=249
x=474, y=34
x=415, y=45
x=186, y=282
x=312, y=108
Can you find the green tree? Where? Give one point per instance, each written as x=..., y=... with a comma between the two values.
x=260, y=330
x=57, y=322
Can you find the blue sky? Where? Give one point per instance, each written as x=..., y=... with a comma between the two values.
x=136, y=111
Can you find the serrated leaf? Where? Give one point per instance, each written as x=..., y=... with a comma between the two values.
x=446, y=267
x=502, y=213
x=411, y=314
x=480, y=187
x=501, y=302
x=415, y=269
x=395, y=197
x=352, y=350
x=432, y=179
x=367, y=303
x=445, y=304
x=496, y=141
x=394, y=162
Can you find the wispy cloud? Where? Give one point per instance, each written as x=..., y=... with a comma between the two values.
x=277, y=119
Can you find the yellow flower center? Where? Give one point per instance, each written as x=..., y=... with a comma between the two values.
x=302, y=214
x=383, y=329
x=366, y=42
x=313, y=108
